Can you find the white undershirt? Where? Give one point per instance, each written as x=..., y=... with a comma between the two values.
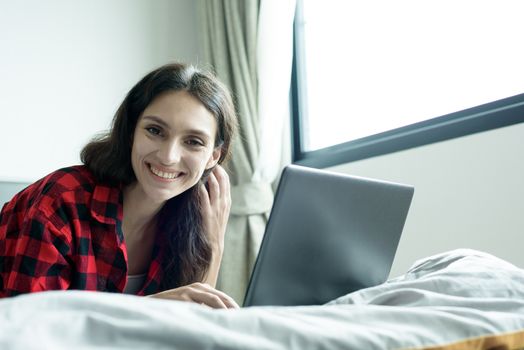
x=134, y=283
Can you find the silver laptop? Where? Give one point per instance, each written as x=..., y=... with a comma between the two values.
x=328, y=234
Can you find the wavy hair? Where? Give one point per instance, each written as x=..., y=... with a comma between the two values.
x=108, y=156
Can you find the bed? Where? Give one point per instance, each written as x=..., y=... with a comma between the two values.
x=462, y=299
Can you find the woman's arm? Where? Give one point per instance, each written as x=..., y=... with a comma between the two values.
x=214, y=267
x=35, y=259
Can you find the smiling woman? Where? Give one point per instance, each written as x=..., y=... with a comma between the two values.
x=138, y=207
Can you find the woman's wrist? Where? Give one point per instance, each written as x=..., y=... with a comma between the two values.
x=217, y=249
x=216, y=256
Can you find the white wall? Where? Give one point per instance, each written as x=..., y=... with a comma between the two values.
x=469, y=193
x=65, y=66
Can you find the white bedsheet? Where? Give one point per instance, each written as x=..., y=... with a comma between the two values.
x=442, y=299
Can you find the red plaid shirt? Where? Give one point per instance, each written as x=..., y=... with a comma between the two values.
x=65, y=232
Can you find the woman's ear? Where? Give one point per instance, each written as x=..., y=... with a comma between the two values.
x=215, y=157
x=212, y=162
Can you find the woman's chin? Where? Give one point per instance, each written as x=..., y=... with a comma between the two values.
x=160, y=196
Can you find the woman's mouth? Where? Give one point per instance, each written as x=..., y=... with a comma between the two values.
x=164, y=174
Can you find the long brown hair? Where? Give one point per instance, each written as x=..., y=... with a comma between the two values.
x=109, y=158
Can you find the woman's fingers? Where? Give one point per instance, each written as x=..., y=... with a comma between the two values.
x=213, y=187
x=226, y=299
x=222, y=198
x=199, y=293
x=210, y=296
x=218, y=185
x=223, y=179
x=204, y=196
x=216, y=204
x=208, y=299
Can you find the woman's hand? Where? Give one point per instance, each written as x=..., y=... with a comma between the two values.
x=216, y=204
x=201, y=293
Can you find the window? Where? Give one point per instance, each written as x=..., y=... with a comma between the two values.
x=374, y=77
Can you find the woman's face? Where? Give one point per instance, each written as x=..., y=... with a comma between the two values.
x=173, y=144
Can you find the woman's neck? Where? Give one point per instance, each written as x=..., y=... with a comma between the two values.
x=139, y=228
x=139, y=212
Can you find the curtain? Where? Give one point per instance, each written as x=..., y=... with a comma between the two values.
x=234, y=31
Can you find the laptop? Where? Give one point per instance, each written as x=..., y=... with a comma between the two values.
x=328, y=234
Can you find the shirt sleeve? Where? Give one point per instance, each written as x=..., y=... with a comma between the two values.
x=39, y=258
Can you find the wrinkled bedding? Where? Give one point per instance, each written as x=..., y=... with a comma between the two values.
x=457, y=296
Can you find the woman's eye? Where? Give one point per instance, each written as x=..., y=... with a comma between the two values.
x=153, y=130
x=194, y=142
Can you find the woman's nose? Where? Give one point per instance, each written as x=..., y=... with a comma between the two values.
x=170, y=152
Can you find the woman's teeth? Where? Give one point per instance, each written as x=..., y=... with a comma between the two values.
x=163, y=174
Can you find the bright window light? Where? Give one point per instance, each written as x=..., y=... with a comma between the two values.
x=372, y=66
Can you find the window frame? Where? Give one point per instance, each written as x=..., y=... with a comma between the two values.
x=492, y=115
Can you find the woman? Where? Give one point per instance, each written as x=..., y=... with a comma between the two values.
x=146, y=212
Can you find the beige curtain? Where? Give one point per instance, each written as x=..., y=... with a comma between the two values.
x=249, y=45
x=229, y=30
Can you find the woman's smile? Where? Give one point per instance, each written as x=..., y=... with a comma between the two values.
x=164, y=174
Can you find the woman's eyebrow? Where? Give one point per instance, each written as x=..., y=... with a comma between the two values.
x=157, y=120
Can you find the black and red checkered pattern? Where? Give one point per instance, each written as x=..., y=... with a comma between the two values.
x=65, y=232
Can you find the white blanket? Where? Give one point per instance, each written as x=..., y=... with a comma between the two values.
x=442, y=299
